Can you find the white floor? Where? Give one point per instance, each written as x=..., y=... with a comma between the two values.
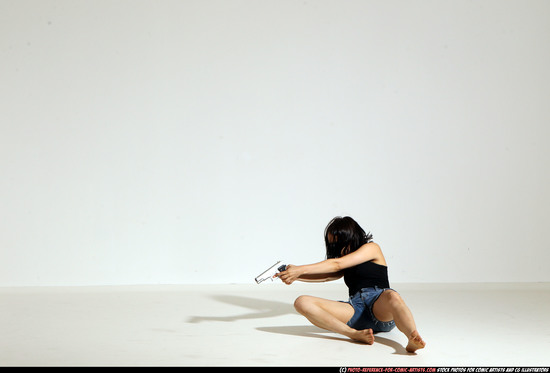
x=256, y=325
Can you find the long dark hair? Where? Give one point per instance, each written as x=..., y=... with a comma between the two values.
x=343, y=236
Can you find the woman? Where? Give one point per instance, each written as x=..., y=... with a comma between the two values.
x=372, y=307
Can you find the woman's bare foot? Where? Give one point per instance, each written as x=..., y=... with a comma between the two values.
x=365, y=336
x=415, y=342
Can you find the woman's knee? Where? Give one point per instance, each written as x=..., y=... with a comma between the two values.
x=394, y=299
x=387, y=305
x=303, y=303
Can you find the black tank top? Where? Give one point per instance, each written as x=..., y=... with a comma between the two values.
x=364, y=275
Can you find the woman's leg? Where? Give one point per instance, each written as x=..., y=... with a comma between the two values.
x=331, y=315
x=390, y=306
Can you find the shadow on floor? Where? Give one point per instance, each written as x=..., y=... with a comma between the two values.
x=303, y=331
x=312, y=331
x=260, y=309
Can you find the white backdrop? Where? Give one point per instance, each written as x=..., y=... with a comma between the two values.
x=168, y=142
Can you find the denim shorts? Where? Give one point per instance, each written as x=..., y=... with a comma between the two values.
x=363, y=318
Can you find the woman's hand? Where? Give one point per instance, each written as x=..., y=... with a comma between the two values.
x=290, y=274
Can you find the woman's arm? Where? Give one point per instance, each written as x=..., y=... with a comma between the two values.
x=321, y=277
x=365, y=253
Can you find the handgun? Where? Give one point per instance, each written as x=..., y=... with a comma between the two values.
x=270, y=272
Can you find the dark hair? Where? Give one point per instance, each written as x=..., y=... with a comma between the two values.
x=343, y=236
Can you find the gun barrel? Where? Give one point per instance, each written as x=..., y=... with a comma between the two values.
x=269, y=273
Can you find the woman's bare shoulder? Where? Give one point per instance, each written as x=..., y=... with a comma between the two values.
x=377, y=251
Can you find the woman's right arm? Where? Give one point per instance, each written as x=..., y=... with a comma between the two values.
x=321, y=277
